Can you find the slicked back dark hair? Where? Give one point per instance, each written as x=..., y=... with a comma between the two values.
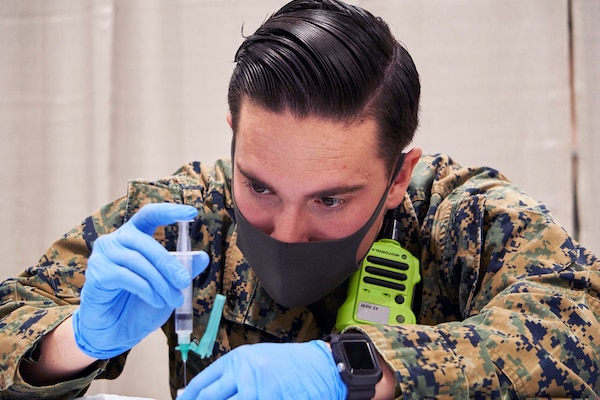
x=328, y=59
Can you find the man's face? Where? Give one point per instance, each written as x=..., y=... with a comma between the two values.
x=308, y=179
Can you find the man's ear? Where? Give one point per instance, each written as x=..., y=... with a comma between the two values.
x=399, y=185
x=229, y=119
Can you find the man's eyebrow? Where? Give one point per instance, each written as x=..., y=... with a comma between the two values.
x=329, y=192
x=336, y=191
x=252, y=178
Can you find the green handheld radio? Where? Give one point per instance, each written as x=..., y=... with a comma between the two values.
x=382, y=290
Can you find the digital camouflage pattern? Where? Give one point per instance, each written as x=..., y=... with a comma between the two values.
x=509, y=304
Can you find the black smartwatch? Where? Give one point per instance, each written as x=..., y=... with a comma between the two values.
x=356, y=360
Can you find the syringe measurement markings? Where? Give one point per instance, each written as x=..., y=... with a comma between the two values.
x=183, y=322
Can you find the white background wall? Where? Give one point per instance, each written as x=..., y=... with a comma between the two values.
x=95, y=92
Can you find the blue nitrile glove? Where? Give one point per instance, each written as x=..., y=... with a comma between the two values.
x=132, y=283
x=270, y=371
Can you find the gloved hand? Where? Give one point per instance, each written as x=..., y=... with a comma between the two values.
x=270, y=371
x=132, y=283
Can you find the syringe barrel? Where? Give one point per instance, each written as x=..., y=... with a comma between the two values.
x=186, y=258
x=184, y=313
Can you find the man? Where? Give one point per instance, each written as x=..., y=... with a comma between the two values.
x=323, y=102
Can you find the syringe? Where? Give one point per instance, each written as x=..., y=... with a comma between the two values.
x=184, y=314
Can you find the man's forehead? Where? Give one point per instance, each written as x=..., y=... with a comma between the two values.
x=248, y=108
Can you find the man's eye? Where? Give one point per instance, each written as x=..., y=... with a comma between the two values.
x=330, y=202
x=258, y=189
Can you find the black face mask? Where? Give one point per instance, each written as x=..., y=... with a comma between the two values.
x=298, y=274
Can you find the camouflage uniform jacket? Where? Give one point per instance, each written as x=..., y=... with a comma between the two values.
x=509, y=304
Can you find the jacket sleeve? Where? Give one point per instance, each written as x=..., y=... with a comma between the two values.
x=43, y=296
x=519, y=296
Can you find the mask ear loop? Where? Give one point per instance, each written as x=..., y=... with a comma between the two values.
x=387, y=229
x=397, y=168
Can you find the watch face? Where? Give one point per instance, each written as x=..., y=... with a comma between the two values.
x=359, y=356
